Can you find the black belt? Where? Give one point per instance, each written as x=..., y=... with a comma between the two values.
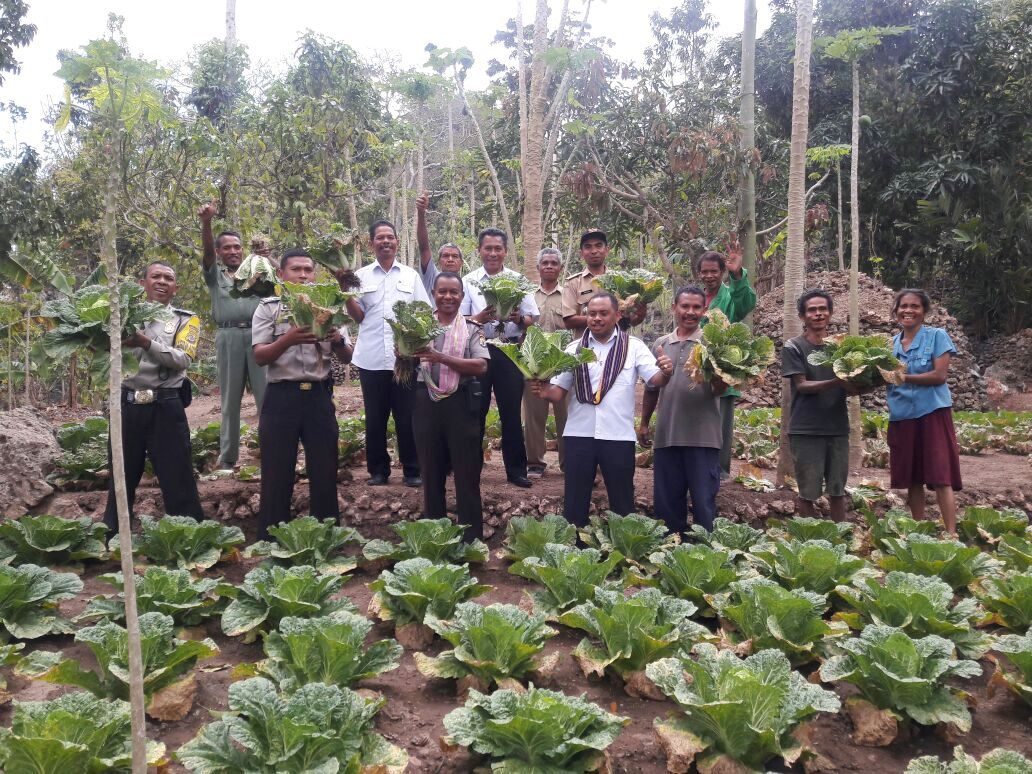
x=305, y=386
x=142, y=397
x=246, y=324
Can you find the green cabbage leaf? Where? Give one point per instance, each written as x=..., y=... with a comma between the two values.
x=542, y=355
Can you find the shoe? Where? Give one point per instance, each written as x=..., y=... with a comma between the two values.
x=412, y=481
x=535, y=472
x=520, y=481
x=377, y=479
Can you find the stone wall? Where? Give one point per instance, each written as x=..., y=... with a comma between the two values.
x=28, y=448
x=965, y=380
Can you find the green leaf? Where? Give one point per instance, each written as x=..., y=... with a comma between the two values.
x=29, y=596
x=695, y=572
x=414, y=326
x=745, y=709
x=998, y=761
x=175, y=593
x=527, y=536
x=418, y=587
x=49, y=540
x=634, y=536
x=1009, y=599
x=987, y=525
x=504, y=291
x=254, y=277
x=542, y=355
x=637, y=286
x=813, y=565
x=270, y=594
x=729, y=351
x=183, y=542
x=950, y=560
x=309, y=541
x=569, y=575
x=438, y=540
x=319, y=306
x=537, y=731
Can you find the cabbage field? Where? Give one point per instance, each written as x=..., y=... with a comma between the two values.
x=622, y=648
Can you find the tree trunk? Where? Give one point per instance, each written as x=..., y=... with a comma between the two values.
x=232, y=213
x=231, y=36
x=795, y=253
x=73, y=383
x=451, y=176
x=352, y=204
x=473, y=207
x=856, y=449
x=132, y=621
x=499, y=196
x=841, y=245
x=747, y=118
x=533, y=140
x=28, y=346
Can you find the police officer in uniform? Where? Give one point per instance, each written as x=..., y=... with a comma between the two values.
x=579, y=288
x=234, y=359
x=446, y=422
x=153, y=418
x=298, y=405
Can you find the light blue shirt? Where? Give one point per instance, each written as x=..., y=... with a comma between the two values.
x=912, y=401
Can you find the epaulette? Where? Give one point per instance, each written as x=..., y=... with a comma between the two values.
x=270, y=299
x=573, y=276
x=184, y=312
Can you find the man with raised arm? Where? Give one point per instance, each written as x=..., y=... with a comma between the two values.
x=549, y=299
x=299, y=408
x=234, y=359
x=383, y=283
x=594, y=249
x=736, y=300
x=449, y=255
x=153, y=417
x=600, y=427
x=502, y=374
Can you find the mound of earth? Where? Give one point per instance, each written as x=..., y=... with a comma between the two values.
x=966, y=382
x=1010, y=356
x=28, y=448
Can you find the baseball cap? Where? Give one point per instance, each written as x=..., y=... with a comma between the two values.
x=595, y=233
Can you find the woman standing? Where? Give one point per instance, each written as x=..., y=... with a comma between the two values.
x=446, y=420
x=923, y=447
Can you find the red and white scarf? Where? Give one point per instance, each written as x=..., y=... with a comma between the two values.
x=455, y=339
x=614, y=365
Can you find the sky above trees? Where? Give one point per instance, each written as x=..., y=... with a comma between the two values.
x=394, y=29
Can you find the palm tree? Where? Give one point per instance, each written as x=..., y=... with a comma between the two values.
x=795, y=258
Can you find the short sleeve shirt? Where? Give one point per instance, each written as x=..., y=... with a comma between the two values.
x=301, y=362
x=225, y=308
x=476, y=346
x=173, y=347
x=473, y=303
x=428, y=275
x=613, y=418
x=576, y=292
x=550, y=305
x=815, y=413
x=689, y=413
x=380, y=290
x=912, y=401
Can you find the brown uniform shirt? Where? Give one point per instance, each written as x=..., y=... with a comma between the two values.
x=576, y=292
x=300, y=363
x=550, y=304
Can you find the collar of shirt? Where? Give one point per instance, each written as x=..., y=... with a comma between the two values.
x=381, y=289
x=551, y=292
x=915, y=344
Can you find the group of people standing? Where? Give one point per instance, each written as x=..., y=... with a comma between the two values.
x=440, y=415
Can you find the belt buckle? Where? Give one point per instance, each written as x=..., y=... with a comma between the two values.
x=305, y=386
x=143, y=396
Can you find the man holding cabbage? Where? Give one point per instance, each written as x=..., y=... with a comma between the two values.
x=600, y=426
x=502, y=301
x=234, y=359
x=299, y=404
x=594, y=249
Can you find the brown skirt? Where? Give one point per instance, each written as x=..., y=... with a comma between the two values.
x=924, y=451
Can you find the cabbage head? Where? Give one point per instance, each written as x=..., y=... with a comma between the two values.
x=730, y=351
x=256, y=276
x=319, y=306
x=542, y=355
x=637, y=286
x=861, y=360
x=504, y=291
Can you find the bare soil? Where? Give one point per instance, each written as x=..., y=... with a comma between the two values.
x=416, y=704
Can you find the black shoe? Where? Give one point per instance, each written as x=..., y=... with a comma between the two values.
x=412, y=481
x=521, y=481
x=377, y=479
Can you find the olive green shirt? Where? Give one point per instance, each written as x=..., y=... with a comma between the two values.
x=550, y=304
x=225, y=308
x=301, y=362
x=688, y=413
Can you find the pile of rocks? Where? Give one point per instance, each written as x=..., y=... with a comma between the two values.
x=965, y=380
x=1011, y=360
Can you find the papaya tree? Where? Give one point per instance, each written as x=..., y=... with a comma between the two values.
x=116, y=93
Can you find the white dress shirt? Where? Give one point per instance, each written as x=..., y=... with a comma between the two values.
x=613, y=418
x=374, y=350
x=473, y=303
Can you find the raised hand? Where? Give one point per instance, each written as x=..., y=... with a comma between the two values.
x=208, y=211
x=734, y=255
x=666, y=365
x=422, y=202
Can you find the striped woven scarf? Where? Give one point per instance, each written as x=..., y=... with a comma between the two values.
x=614, y=365
x=454, y=344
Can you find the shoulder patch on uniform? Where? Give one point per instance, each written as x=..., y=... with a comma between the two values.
x=270, y=300
x=184, y=312
x=188, y=337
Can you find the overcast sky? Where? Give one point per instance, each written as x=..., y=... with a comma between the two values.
x=168, y=31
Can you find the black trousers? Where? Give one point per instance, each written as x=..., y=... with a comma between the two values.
x=447, y=436
x=680, y=471
x=160, y=431
x=583, y=456
x=291, y=415
x=382, y=397
x=507, y=382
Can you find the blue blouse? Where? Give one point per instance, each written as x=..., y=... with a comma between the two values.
x=912, y=401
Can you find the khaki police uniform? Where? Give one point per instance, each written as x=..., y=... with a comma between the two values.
x=153, y=418
x=298, y=407
x=447, y=434
x=577, y=290
x=535, y=410
x=234, y=358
